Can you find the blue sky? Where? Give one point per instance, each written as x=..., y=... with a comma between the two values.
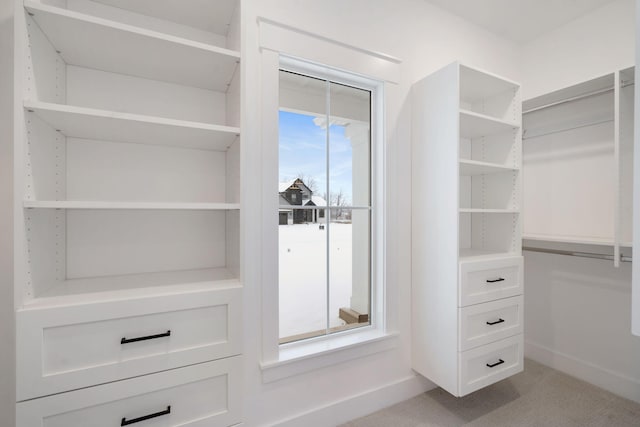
x=303, y=150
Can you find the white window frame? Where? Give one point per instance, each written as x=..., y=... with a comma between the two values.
x=280, y=361
x=376, y=204
x=276, y=40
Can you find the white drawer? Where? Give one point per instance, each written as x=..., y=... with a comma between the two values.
x=482, y=281
x=491, y=321
x=490, y=363
x=65, y=348
x=202, y=395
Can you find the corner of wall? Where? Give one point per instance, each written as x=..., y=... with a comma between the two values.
x=7, y=329
x=590, y=46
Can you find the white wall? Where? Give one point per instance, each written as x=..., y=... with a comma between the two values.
x=590, y=46
x=7, y=348
x=578, y=320
x=635, y=310
x=577, y=311
x=425, y=39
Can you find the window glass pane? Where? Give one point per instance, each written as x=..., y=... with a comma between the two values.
x=324, y=160
x=303, y=138
x=349, y=181
x=303, y=281
x=349, y=276
x=349, y=146
x=302, y=182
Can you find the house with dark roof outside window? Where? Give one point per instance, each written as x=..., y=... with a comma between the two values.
x=296, y=193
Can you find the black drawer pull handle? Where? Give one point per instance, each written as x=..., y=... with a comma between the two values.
x=500, y=279
x=496, y=322
x=149, y=337
x=126, y=422
x=495, y=364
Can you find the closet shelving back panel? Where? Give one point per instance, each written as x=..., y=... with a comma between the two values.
x=132, y=144
x=578, y=168
x=569, y=158
x=489, y=165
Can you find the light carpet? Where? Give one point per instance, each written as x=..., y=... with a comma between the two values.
x=539, y=396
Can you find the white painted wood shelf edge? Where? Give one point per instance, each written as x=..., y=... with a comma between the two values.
x=578, y=240
x=62, y=27
x=496, y=211
x=473, y=125
x=474, y=167
x=480, y=84
x=480, y=116
x=468, y=255
x=61, y=204
x=133, y=286
x=91, y=123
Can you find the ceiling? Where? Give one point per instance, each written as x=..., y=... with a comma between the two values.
x=519, y=20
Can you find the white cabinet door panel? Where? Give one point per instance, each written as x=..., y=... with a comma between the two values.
x=490, y=363
x=482, y=281
x=205, y=394
x=65, y=348
x=491, y=321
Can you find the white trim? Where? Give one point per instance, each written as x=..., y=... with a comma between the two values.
x=617, y=203
x=384, y=56
x=100, y=204
x=346, y=208
x=377, y=174
x=635, y=274
x=615, y=382
x=279, y=46
x=270, y=69
x=309, y=355
x=298, y=43
x=360, y=404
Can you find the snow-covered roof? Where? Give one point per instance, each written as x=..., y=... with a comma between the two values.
x=282, y=186
x=282, y=201
x=318, y=201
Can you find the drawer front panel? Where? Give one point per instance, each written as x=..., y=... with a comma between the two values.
x=491, y=321
x=483, y=281
x=205, y=394
x=86, y=345
x=490, y=363
x=97, y=343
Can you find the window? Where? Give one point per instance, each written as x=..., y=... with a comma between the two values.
x=325, y=253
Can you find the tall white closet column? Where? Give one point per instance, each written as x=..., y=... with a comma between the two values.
x=467, y=286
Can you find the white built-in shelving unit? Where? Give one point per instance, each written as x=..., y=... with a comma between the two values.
x=467, y=306
x=578, y=166
x=128, y=276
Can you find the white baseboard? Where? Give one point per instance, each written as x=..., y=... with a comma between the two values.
x=607, y=379
x=362, y=404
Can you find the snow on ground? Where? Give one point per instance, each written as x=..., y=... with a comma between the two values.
x=303, y=276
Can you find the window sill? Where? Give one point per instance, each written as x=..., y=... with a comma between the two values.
x=298, y=358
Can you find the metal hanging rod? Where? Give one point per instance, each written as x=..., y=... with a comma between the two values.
x=568, y=100
x=577, y=98
x=592, y=255
x=599, y=122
